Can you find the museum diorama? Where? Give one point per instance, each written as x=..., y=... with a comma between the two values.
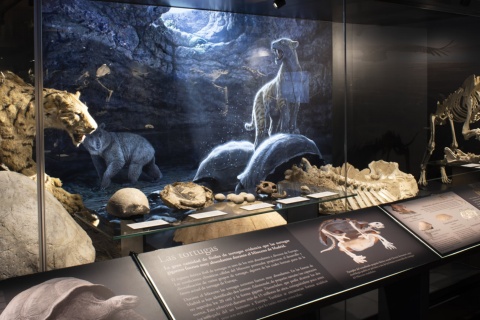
x=234, y=159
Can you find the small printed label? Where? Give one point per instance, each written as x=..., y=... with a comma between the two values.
x=471, y=165
x=257, y=206
x=207, y=214
x=147, y=224
x=292, y=200
x=322, y=194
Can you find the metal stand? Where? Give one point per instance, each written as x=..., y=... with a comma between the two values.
x=405, y=299
x=129, y=244
x=301, y=213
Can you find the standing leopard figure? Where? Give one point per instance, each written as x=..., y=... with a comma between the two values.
x=276, y=104
x=62, y=110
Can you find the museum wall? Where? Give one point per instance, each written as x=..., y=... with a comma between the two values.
x=16, y=37
x=401, y=61
x=447, y=73
x=387, y=95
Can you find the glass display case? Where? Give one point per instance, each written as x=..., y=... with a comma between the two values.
x=228, y=94
x=144, y=94
x=223, y=98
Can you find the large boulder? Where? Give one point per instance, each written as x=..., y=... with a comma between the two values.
x=67, y=244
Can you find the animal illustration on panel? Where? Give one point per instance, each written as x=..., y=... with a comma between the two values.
x=111, y=151
x=352, y=235
x=276, y=104
x=460, y=106
x=71, y=298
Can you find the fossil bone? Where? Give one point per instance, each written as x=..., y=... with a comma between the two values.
x=458, y=155
x=460, y=106
x=186, y=195
x=381, y=183
x=270, y=189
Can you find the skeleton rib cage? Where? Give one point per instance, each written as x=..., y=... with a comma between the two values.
x=458, y=107
x=463, y=105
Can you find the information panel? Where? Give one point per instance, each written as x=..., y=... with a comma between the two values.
x=448, y=222
x=244, y=276
x=264, y=272
x=361, y=246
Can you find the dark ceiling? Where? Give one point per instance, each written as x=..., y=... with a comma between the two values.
x=381, y=12
x=302, y=9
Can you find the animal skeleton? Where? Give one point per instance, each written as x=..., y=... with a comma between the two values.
x=460, y=106
x=352, y=235
x=382, y=182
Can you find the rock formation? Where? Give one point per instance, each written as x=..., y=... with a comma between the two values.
x=67, y=244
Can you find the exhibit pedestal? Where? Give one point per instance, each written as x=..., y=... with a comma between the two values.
x=405, y=299
x=464, y=175
x=129, y=244
x=225, y=228
x=305, y=212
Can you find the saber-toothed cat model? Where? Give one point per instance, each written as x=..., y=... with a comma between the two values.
x=61, y=110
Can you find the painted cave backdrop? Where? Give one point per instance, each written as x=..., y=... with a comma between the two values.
x=183, y=79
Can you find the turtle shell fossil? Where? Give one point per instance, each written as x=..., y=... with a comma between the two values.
x=219, y=170
x=69, y=299
x=186, y=195
x=273, y=156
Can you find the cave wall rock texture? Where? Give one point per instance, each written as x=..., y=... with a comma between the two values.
x=184, y=79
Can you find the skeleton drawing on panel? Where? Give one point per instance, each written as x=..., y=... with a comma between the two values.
x=460, y=106
x=352, y=236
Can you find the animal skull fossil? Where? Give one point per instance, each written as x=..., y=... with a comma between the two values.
x=266, y=187
x=270, y=189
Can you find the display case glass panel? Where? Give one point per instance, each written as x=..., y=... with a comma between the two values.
x=223, y=99
x=403, y=60
x=18, y=219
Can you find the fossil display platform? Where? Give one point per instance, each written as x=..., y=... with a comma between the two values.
x=274, y=272
x=296, y=207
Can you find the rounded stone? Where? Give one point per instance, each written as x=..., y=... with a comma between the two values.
x=220, y=197
x=250, y=197
x=67, y=243
x=238, y=199
x=128, y=202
